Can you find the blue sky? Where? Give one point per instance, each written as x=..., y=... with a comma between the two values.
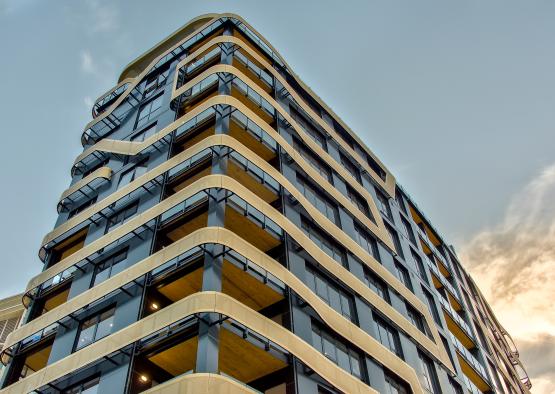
x=455, y=97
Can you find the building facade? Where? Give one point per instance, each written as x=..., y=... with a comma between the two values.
x=225, y=231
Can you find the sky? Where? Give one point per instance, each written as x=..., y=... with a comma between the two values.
x=455, y=97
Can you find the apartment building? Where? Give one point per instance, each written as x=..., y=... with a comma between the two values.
x=225, y=231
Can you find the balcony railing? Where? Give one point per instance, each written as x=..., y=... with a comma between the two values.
x=456, y=317
x=468, y=356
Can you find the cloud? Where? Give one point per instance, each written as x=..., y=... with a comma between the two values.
x=513, y=263
x=104, y=16
x=89, y=102
x=87, y=63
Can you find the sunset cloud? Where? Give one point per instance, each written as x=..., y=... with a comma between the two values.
x=513, y=263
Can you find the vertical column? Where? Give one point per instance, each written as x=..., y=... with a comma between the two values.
x=209, y=329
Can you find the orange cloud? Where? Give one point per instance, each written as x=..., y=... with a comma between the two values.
x=513, y=263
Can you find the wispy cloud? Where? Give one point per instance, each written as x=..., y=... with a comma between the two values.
x=87, y=63
x=104, y=16
x=514, y=263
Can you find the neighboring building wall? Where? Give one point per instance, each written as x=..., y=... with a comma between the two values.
x=11, y=311
x=225, y=230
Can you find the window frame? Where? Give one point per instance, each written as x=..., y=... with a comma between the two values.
x=97, y=318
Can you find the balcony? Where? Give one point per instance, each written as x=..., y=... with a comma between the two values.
x=67, y=247
x=108, y=99
x=457, y=325
x=82, y=188
x=253, y=70
x=31, y=357
x=471, y=367
x=243, y=355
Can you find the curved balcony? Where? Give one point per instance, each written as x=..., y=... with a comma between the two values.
x=211, y=302
x=90, y=184
x=107, y=99
x=112, y=117
x=327, y=261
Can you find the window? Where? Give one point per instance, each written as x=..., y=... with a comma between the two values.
x=366, y=241
x=313, y=160
x=336, y=351
x=419, y=265
x=88, y=387
x=395, y=238
x=457, y=389
x=332, y=294
x=407, y=230
x=360, y=203
x=428, y=377
x=318, y=199
x=131, y=174
x=307, y=127
x=149, y=110
x=144, y=134
x=376, y=284
x=121, y=216
x=109, y=267
x=155, y=81
x=383, y=205
x=82, y=207
x=323, y=242
x=95, y=328
x=432, y=306
x=416, y=318
x=394, y=385
x=388, y=336
x=401, y=203
x=350, y=167
x=403, y=275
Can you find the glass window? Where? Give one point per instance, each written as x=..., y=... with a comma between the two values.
x=95, y=328
x=144, y=134
x=383, y=205
x=394, y=385
x=323, y=242
x=407, y=230
x=432, y=306
x=366, y=241
x=121, y=216
x=428, y=377
x=388, y=336
x=419, y=265
x=318, y=199
x=350, y=167
x=401, y=202
x=360, y=203
x=155, y=81
x=310, y=129
x=336, y=351
x=417, y=319
x=314, y=161
x=395, y=238
x=88, y=387
x=331, y=293
x=149, y=111
x=110, y=267
x=131, y=174
x=403, y=275
x=376, y=284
